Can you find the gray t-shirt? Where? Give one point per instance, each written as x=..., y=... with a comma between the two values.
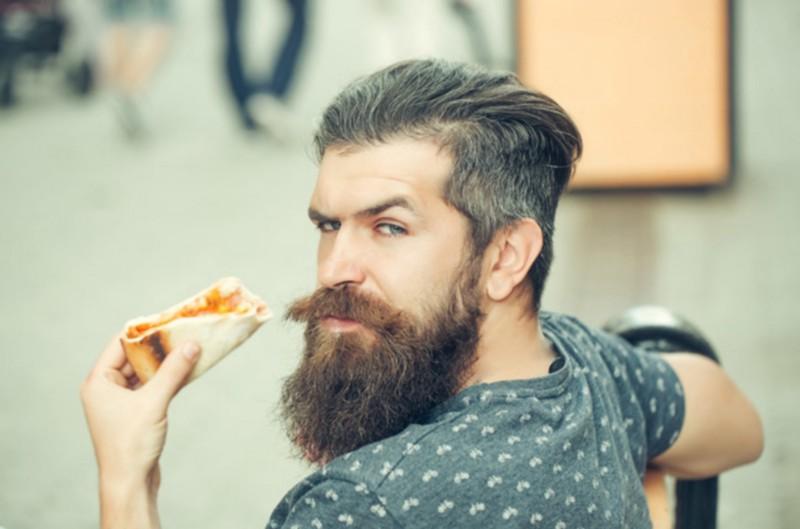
x=563, y=451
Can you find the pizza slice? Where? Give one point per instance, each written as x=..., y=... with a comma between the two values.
x=218, y=319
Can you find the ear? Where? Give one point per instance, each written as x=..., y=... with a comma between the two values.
x=512, y=253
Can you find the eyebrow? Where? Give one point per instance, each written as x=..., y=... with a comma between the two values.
x=395, y=202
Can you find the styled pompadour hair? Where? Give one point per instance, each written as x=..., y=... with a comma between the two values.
x=514, y=149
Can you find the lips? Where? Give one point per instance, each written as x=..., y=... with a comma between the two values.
x=339, y=310
x=340, y=323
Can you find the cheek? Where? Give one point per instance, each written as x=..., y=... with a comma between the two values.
x=419, y=276
x=420, y=288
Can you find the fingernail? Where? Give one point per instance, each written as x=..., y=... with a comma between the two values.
x=190, y=350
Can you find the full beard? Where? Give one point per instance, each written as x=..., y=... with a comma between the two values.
x=357, y=387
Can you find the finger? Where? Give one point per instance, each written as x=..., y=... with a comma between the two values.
x=113, y=356
x=174, y=370
x=127, y=371
x=116, y=377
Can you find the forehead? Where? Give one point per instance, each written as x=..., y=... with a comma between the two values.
x=355, y=176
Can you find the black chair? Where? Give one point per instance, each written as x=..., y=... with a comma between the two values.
x=659, y=330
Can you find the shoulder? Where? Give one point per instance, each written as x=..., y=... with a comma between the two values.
x=326, y=499
x=641, y=385
x=371, y=486
x=478, y=464
x=592, y=348
x=382, y=464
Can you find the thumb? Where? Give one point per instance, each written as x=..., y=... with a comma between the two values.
x=174, y=370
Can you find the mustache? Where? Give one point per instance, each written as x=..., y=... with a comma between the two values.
x=346, y=303
x=351, y=389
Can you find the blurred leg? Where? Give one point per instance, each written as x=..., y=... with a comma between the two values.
x=475, y=31
x=115, y=55
x=287, y=59
x=152, y=43
x=234, y=71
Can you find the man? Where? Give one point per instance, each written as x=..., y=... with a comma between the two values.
x=432, y=390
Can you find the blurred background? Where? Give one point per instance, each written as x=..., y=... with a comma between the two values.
x=147, y=151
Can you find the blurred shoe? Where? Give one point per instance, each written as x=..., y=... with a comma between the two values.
x=273, y=117
x=130, y=115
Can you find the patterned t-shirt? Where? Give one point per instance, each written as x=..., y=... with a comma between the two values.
x=563, y=451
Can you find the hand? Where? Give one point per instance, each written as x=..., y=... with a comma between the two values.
x=128, y=422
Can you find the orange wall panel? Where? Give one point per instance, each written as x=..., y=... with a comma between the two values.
x=647, y=83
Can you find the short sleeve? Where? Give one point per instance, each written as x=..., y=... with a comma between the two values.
x=648, y=387
x=334, y=503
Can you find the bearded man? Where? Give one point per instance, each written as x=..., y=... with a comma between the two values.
x=433, y=390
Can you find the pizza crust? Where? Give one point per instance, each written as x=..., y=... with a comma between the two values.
x=218, y=319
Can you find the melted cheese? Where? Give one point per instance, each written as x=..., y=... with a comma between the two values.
x=212, y=303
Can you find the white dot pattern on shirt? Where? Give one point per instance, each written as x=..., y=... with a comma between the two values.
x=576, y=452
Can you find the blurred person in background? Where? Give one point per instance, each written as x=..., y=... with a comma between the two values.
x=260, y=102
x=38, y=36
x=476, y=33
x=134, y=46
x=406, y=29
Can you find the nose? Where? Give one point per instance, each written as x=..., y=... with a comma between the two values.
x=339, y=261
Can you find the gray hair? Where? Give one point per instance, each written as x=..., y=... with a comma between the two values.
x=513, y=148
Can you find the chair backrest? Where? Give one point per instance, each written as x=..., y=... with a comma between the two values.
x=659, y=330
x=695, y=502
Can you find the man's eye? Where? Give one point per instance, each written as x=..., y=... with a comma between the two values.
x=328, y=225
x=392, y=230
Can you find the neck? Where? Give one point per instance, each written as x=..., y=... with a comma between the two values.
x=511, y=346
